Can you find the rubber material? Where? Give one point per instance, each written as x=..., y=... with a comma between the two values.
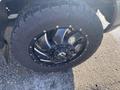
x=36, y=18
x=15, y=6
x=3, y=23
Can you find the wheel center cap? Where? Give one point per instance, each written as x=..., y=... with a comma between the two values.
x=62, y=54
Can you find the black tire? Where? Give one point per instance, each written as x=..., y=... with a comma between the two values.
x=36, y=19
x=3, y=23
x=15, y=6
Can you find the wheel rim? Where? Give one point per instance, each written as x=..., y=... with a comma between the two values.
x=59, y=45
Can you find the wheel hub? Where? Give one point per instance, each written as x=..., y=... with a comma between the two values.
x=61, y=53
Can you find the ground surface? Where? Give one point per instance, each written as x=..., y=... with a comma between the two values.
x=15, y=77
x=100, y=72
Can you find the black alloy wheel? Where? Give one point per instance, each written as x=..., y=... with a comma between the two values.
x=60, y=45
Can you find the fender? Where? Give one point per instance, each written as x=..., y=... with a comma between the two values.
x=110, y=9
x=116, y=16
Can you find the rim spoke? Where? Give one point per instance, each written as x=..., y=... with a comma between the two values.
x=40, y=52
x=81, y=40
x=44, y=43
x=43, y=60
x=78, y=47
x=79, y=44
x=60, y=35
x=41, y=55
x=77, y=40
x=72, y=37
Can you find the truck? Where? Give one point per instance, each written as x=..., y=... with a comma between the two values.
x=55, y=35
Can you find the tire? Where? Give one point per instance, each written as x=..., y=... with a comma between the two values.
x=36, y=19
x=3, y=23
x=15, y=6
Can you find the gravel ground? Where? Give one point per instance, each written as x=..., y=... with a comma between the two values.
x=13, y=76
x=16, y=77
x=100, y=72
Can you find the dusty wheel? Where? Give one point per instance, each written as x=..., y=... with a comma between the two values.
x=53, y=38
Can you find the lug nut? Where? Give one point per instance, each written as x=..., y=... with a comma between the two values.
x=57, y=26
x=86, y=35
x=80, y=29
x=30, y=54
x=70, y=26
x=44, y=31
x=35, y=38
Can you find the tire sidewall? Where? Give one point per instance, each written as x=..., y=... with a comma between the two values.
x=48, y=19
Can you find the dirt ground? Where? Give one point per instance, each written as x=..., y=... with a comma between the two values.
x=102, y=70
